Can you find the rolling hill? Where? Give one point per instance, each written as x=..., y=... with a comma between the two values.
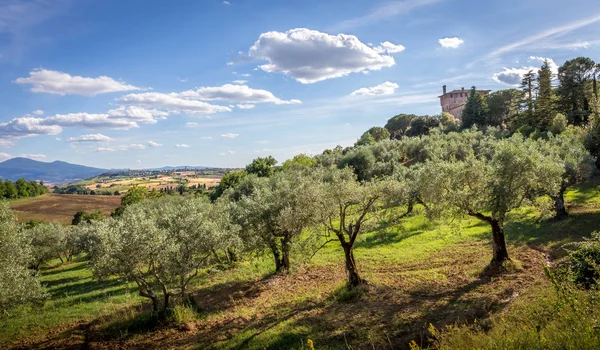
x=56, y=172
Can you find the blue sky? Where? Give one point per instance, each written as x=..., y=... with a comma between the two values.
x=136, y=84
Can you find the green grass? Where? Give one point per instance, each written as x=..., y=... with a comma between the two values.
x=74, y=295
x=418, y=272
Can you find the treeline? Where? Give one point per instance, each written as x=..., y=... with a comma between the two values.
x=82, y=189
x=21, y=189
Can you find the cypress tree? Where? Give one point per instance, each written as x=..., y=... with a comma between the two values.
x=545, y=103
x=475, y=111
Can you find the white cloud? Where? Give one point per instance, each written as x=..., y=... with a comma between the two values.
x=240, y=82
x=89, y=121
x=513, y=76
x=226, y=3
x=451, y=43
x=4, y=156
x=389, y=48
x=137, y=114
x=229, y=136
x=25, y=127
x=54, y=82
x=206, y=137
x=90, y=138
x=245, y=106
x=553, y=66
x=387, y=88
x=182, y=145
x=34, y=156
x=133, y=146
x=171, y=102
x=237, y=93
x=58, y=139
x=38, y=112
x=138, y=161
x=309, y=56
x=154, y=144
x=191, y=124
x=226, y=153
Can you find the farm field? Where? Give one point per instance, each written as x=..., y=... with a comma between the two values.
x=419, y=273
x=62, y=207
x=154, y=182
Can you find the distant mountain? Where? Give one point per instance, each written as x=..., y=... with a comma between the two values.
x=56, y=172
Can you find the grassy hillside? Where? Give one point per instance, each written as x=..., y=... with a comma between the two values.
x=418, y=273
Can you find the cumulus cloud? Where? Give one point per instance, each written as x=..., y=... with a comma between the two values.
x=137, y=114
x=191, y=124
x=54, y=82
x=389, y=48
x=451, y=43
x=182, y=145
x=309, y=56
x=129, y=147
x=90, y=138
x=387, y=88
x=240, y=82
x=513, y=76
x=229, y=136
x=236, y=93
x=25, y=127
x=171, y=102
x=38, y=112
x=33, y=156
x=154, y=144
x=89, y=121
x=245, y=106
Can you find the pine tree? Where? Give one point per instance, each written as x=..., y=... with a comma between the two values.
x=475, y=111
x=545, y=103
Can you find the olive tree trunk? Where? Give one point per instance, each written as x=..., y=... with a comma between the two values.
x=353, y=277
x=500, y=252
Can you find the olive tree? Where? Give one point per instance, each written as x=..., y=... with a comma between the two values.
x=46, y=241
x=567, y=149
x=160, y=245
x=273, y=213
x=347, y=205
x=487, y=187
x=18, y=284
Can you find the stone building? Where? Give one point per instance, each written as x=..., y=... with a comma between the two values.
x=454, y=101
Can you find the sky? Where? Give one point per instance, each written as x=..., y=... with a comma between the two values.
x=141, y=84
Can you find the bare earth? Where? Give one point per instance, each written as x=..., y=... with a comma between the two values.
x=62, y=207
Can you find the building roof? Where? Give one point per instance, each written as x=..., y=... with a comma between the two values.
x=459, y=91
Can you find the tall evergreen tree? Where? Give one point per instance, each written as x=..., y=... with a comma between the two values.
x=545, y=103
x=475, y=111
x=576, y=87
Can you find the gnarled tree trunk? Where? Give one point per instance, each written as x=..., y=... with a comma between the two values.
x=353, y=277
x=498, y=242
x=500, y=252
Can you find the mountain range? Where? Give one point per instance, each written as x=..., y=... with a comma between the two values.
x=58, y=172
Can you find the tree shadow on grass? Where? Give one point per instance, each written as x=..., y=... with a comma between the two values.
x=385, y=238
x=524, y=230
x=83, y=288
x=53, y=270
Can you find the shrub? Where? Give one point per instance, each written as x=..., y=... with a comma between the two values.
x=585, y=261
